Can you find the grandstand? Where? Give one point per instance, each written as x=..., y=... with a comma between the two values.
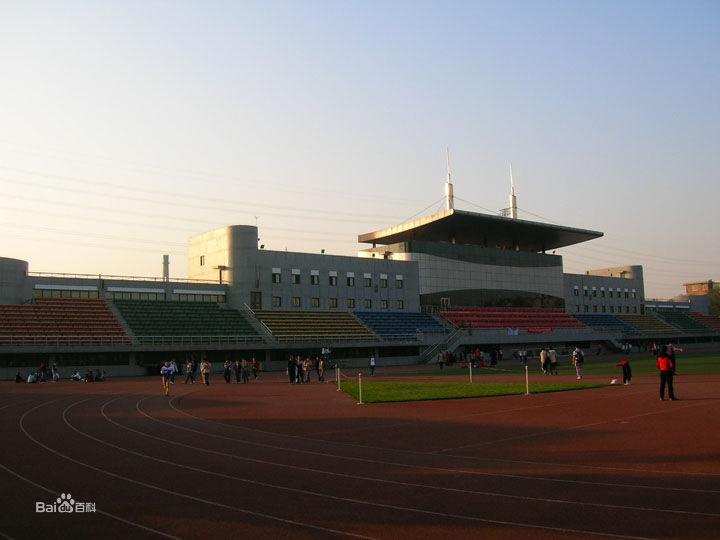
x=398, y=323
x=60, y=321
x=649, y=325
x=605, y=323
x=168, y=319
x=709, y=321
x=527, y=318
x=314, y=326
x=683, y=322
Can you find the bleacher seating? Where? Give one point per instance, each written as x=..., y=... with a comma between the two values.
x=388, y=323
x=324, y=325
x=493, y=317
x=605, y=322
x=149, y=318
x=711, y=322
x=649, y=325
x=60, y=321
x=684, y=322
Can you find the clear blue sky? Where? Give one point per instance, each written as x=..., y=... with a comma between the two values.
x=127, y=127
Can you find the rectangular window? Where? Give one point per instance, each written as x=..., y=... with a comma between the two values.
x=276, y=277
x=296, y=301
x=627, y=295
x=296, y=279
x=383, y=304
x=595, y=293
x=602, y=293
x=202, y=260
x=594, y=309
x=586, y=308
x=351, y=303
x=401, y=304
x=367, y=282
x=315, y=302
x=627, y=309
x=276, y=301
x=383, y=283
x=585, y=292
x=367, y=303
x=634, y=309
x=350, y=281
x=332, y=281
x=399, y=283
x=634, y=294
x=612, y=309
x=576, y=292
x=604, y=309
x=610, y=294
x=314, y=279
x=332, y=303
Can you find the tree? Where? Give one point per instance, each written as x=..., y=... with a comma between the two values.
x=714, y=297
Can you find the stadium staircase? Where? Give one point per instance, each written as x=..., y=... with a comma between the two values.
x=61, y=321
x=314, y=326
x=176, y=322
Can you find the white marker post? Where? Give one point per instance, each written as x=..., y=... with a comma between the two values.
x=527, y=382
x=337, y=376
x=360, y=388
x=471, y=372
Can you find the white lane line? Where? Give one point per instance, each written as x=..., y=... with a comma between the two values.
x=321, y=495
x=164, y=490
x=419, y=454
x=56, y=493
x=375, y=479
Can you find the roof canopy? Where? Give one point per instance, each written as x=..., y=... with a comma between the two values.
x=463, y=227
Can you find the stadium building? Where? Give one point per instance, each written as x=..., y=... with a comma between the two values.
x=451, y=281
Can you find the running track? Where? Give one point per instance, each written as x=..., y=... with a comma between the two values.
x=271, y=460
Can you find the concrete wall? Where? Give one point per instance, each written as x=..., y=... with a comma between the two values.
x=14, y=283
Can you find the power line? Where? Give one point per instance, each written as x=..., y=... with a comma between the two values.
x=476, y=205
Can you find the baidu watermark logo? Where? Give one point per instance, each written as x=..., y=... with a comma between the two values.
x=64, y=504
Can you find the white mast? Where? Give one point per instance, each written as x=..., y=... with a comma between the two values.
x=513, y=199
x=449, y=197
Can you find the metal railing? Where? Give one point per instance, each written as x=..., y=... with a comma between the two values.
x=64, y=340
x=198, y=340
x=126, y=278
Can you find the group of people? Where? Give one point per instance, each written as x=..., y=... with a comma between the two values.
x=43, y=375
x=548, y=361
x=299, y=369
x=241, y=368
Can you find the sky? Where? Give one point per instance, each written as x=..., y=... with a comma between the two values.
x=127, y=127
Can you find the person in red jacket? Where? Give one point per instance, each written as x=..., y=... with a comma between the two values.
x=626, y=370
x=665, y=364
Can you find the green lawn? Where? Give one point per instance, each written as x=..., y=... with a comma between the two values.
x=642, y=364
x=385, y=391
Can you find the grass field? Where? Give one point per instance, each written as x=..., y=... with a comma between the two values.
x=387, y=391
x=642, y=364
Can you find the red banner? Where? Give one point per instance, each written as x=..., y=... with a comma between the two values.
x=539, y=330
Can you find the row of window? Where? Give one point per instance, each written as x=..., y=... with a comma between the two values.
x=604, y=309
x=332, y=303
x=48, y=293
x=161, y=297
x=594, y=293
x=333, y=280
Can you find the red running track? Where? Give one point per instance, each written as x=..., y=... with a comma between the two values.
x=274, y=460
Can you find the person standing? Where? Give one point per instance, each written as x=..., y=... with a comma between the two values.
x=236, y=368
x=552, y=359
x=255, y=367
x=321, y=369
x=578, y=359
x=665, y=365
x=166, y=373
x=205, y=368
x=190, y=371
x=175, y=370
x=543, y=361
x=626, y=370
x=245, y=371
x=291, y=368
x=227, y=367
x=372, y=365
